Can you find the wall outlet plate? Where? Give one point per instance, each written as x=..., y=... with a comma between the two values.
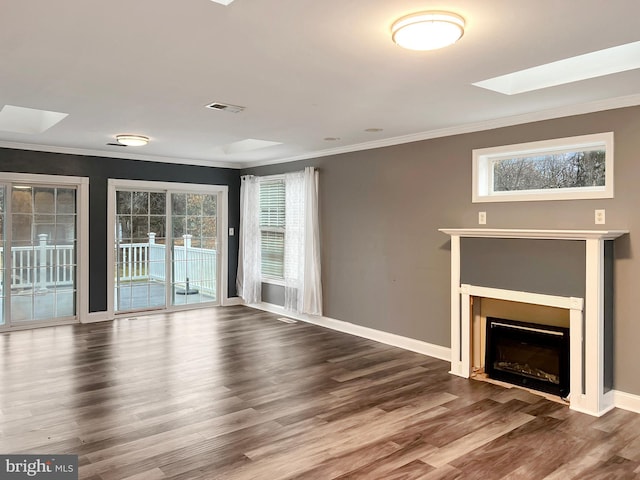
x=599, y=217
x=482, y=218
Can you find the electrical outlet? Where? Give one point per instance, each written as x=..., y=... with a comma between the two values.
x=600, y=218
x=482, y=218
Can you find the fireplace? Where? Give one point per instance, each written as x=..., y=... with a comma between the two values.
x=566, y=269
x=528, y=354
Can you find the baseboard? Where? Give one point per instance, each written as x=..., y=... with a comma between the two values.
x=231, y=301
x=626, y=401
x=418, y=346
x=95, y=317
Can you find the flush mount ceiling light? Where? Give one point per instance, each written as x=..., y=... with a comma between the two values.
x=427, y=30
x=132, y=140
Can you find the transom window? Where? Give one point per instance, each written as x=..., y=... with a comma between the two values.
x=560, y=169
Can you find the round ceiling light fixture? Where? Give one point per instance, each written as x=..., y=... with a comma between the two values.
x=427, y=30
x=132, y=140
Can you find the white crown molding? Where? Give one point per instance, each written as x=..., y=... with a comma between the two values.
x=579, y=109
x=566, y=111
x=122, y=155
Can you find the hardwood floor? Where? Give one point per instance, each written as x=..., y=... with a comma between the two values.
x=233, y=393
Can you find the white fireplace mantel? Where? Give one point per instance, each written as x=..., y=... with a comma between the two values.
x=586, y=315
x=533, y=234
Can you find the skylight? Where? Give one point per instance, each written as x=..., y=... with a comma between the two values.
x=28, y=120
x=590, y=65
x=223, y=2
x=247, y=145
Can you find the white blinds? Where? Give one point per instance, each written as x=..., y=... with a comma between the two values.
x=272, y=223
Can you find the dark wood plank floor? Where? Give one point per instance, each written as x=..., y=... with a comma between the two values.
x=233, y=393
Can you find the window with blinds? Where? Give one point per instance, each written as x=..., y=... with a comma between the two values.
x=272, y=224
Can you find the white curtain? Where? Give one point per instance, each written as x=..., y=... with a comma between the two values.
x=303, y=288
x=248, y=280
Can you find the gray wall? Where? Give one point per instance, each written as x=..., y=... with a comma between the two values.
x=386, y=266
x=552, y=267
x=99, y=170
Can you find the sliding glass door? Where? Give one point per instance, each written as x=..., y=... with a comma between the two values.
x=194, y=249
x=140, y=250
x=166, y=249
x=38, y=251
x=43, y=253
x=3, y=300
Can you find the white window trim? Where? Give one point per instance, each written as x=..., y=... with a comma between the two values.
x=82, y=231
x=483, y=159
x=149, y=185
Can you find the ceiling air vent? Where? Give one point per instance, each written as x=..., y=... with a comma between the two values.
x=225, y=107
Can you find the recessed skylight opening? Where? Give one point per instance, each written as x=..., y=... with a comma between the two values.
x=28, y=120
x=590, y=65
x=223, y=2
x=247, y=145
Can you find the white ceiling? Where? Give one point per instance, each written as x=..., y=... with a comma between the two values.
x=304, y=69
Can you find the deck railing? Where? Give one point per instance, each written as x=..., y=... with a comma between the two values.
x=43, y=266
x=146, y=261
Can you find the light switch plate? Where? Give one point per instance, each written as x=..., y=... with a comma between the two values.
x=232, y=231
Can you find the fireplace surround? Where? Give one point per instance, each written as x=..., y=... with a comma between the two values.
x=589, y=307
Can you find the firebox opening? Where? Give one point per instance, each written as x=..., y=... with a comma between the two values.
x=528, y=354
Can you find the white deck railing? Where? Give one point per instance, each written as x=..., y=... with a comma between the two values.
x=146, y=261
x=42, y=266
x=133, y=259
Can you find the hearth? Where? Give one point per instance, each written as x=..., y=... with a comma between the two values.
x=528, y=354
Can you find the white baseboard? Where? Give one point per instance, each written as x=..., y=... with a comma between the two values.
x=626, y=401
x=418, y=346
x=95, y=317
x=231, y=301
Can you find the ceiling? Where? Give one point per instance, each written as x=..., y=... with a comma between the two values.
x=305, y=70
